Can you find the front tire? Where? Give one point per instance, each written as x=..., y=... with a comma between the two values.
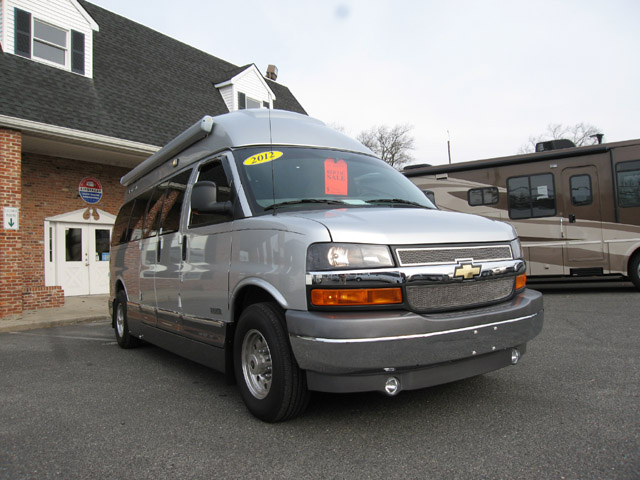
x=121, y=324
x=271, y=384
x=634, y=270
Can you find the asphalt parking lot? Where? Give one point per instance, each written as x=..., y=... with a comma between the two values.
x=74, y=405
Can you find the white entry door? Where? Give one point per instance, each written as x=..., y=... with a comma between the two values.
x=82, y=258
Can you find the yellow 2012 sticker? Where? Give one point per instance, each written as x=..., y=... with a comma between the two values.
x=263, y=157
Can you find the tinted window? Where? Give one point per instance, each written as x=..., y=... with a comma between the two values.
x=581, y=190
x=152, y=217
x=213, y=172
x=120, y=228
x=137, y=216
x=314, y=178
x=628, y=177
x=531, y=196
x=482, y=196
x=430, y=195
x=174, y=197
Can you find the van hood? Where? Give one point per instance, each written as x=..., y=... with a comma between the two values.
x=407, y=226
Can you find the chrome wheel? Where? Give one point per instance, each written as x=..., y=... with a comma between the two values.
x=120, y=320
x=256, y=364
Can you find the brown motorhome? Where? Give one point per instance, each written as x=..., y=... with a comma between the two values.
x=576, y=209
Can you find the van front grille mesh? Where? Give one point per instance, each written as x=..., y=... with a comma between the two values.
x=434, y=256
x=424, y=298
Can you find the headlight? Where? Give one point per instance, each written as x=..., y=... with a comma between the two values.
x=342, y=256
x=516, y=248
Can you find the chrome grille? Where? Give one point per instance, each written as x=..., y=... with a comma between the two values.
x=433, y=256
x=423, y=298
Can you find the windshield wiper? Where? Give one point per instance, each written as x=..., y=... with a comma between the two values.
x=397, y=201
x=326, y=201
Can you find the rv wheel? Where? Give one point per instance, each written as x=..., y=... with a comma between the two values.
x=120, y=323
x=271, y=384
x=634, y=270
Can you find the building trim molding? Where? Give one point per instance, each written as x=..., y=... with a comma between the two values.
x=76, y=136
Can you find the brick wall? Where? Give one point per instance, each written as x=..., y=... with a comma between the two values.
x=34, y=298
x=10, y=240
x=50, y=187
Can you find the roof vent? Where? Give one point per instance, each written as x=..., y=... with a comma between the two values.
x=554, y=145
x=272, y=72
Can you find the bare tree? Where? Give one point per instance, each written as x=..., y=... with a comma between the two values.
x=391, y=144
x=580, y=134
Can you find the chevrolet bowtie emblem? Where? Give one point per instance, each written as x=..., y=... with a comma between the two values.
x=466, y=271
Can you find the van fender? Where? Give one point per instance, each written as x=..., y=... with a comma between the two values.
x=120, y=281
x=260, y=283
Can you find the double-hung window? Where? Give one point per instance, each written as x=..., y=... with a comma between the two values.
x=49, y=42
x=37, y=39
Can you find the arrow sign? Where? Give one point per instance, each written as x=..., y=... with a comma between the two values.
x=10, y=217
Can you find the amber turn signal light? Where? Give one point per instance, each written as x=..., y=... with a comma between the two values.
x=521, y=281
x=354, y=297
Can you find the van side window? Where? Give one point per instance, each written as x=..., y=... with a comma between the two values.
x=152, y=217
x=137, y=216
x=482, y=196
x=531, y=196
x=214, y=172
x=172, y=206
x=628, y=180
x=121, y=227
x=581, y=193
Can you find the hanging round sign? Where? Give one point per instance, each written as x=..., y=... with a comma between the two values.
x=90, y=190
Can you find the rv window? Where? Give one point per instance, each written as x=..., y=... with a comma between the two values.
x=628, y=176
x=532, y=196
x=430, y=195
x=581, y=190
x=482, y=196
x=214, y=172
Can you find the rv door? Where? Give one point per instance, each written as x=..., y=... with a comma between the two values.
x=581, y=221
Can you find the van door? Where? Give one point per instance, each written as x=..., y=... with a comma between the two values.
x=204, y=291
x=169, y=253
x=582, y=221
x=149, y=251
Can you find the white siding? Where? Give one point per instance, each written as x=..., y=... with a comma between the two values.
x=2, y=40
x=63, y=14
x=228, y=97
x=253, y=85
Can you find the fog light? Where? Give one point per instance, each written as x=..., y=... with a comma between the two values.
x=515, y=356
x=392, y=386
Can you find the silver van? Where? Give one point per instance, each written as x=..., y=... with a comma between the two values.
x=267, y=246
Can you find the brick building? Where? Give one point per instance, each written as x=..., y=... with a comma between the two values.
x=86, y=95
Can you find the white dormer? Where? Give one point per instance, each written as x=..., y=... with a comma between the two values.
x=58, y=33
x=247, y=89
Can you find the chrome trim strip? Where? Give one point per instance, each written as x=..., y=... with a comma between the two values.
x=414, y=336
x=425, y=275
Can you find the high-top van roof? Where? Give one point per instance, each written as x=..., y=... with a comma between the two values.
x=232, y=130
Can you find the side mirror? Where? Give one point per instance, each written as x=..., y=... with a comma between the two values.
x=204, y=199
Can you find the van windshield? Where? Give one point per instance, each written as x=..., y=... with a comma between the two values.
x=311, y=178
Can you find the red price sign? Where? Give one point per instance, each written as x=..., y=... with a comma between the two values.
x=336, y=177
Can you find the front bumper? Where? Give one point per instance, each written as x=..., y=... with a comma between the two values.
x=357, y=346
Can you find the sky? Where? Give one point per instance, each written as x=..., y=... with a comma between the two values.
x=484, y=75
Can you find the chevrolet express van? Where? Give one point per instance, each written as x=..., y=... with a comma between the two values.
x=267, y=246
